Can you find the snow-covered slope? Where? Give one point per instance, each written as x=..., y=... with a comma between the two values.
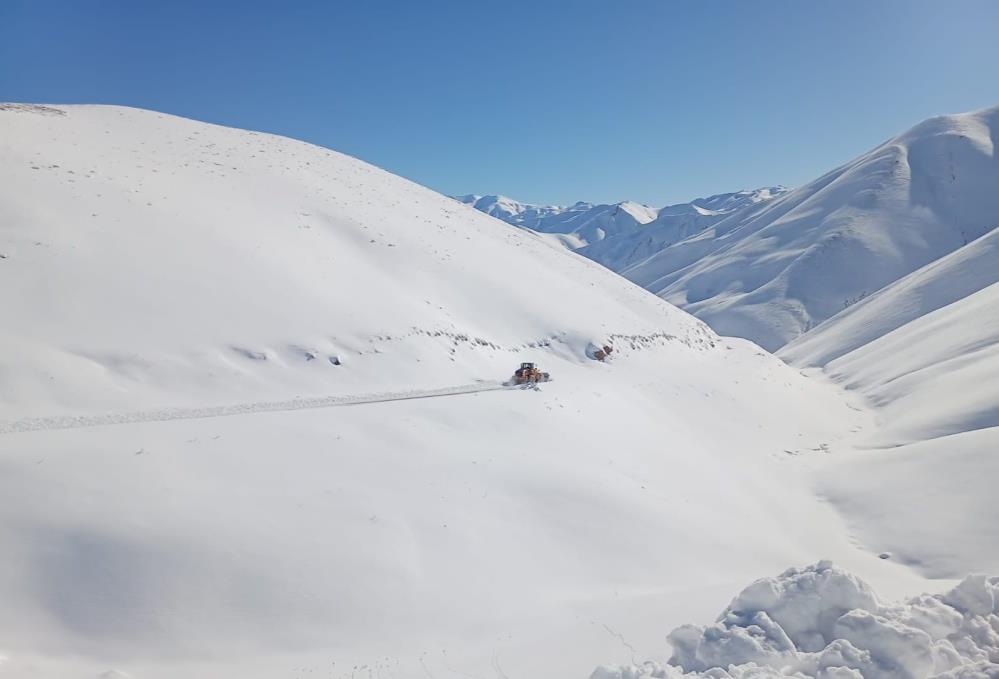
x=924, y=351
x=244, y=262
x=945, y=281
x=778, y=271
x=189, y=313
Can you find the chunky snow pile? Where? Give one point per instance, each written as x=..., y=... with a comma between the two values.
x=823, y=622
x=776, y=272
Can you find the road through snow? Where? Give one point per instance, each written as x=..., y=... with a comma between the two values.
x=163, y=414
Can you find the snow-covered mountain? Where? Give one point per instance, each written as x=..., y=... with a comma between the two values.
x=616, y=234
x=771, y=264
x=189, y=310
x=253, y=423
x=675, y=223
x=776, y=272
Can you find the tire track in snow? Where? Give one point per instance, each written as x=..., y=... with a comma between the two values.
x=166, y=414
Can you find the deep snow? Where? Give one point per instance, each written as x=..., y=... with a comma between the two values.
x=156, y=266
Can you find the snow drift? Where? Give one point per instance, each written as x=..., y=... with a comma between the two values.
x=823, y=622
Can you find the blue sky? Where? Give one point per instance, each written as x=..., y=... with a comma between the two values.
x=547, y=101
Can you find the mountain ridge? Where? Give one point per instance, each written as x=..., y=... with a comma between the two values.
x=784, y=262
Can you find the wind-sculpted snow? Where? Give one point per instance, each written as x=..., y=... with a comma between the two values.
x=823, y=622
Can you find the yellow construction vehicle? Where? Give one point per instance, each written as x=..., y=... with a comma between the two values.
x=528, y=373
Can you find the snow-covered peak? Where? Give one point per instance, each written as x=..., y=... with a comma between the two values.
x=615, y=226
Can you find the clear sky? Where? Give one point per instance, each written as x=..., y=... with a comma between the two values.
x=544, y=100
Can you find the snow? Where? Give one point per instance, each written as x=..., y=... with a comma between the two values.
x=774, y=273
x=620, y=234
x=949, y=279
x=822, y=621
x=115, y=213
x=233, y=444
x=931, y=503
x=675, y=223
x=771, y=264
x=253, y=424
x=923, y=352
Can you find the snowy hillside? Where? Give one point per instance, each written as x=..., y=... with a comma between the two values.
x=252, y=424
x=925, y=352
x=246, y=263
x=778, y=271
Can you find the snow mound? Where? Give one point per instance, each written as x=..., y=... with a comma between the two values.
x=823, y=622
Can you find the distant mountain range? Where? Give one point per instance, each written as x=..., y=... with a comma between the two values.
x=584, y=225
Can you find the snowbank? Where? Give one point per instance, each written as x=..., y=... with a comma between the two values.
x=821, y=621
